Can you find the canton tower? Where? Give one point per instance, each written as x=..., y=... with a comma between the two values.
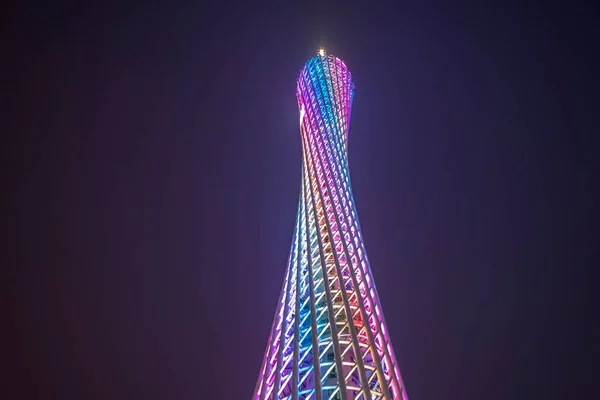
x=329, y=338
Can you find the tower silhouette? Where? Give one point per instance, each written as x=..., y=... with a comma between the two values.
x=329, y=338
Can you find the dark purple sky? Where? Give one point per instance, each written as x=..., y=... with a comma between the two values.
x=153, y=160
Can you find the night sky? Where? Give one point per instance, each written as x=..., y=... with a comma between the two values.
x=153, y=173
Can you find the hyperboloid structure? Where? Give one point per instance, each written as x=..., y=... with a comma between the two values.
x=329, y=338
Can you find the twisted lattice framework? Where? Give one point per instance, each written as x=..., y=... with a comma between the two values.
x=329, y=338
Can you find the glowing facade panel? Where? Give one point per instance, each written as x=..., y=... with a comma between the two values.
x=329, y=338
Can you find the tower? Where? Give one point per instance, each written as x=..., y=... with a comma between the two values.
x=329, y=338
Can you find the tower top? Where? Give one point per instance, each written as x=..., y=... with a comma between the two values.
x=321, y=52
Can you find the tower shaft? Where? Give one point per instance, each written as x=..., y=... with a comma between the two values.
x=329, y=338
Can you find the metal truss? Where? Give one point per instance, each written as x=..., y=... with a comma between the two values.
x=329, y=338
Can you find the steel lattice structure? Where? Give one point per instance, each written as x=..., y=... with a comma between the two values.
x=329, y=338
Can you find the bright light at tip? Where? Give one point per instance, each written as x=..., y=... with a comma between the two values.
x=321, y=52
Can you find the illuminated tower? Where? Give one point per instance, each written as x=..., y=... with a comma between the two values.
x=329, y=338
